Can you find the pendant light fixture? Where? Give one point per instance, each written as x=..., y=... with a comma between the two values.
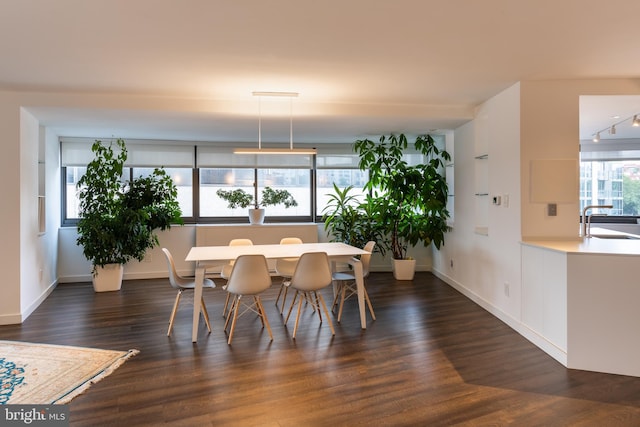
x=290, y=150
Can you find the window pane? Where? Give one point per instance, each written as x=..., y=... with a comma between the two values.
x=296, y=181
x=614, y=183
x=72, y=204
x=181, y=176
x=342, y=178
x=73, y=175
x=183, y=179
x=211, y=180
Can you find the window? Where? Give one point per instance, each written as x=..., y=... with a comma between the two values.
x=200, y=170
x=296, y=181
x=142, y=158
x=72, y=176
x=342, y=178
x=337, y=163
x=182, y=178
x=610, y=176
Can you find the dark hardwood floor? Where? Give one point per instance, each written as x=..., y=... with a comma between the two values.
x=432, y=358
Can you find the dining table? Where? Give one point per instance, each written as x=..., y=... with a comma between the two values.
x=337, y=253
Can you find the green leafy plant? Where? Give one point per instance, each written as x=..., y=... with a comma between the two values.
x=241, y=199
x=410, y=200
x=118, y=219
x=350, y=220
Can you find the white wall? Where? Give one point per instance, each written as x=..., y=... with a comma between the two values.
x=484, y=265
x=10, y=213
x=550, y=130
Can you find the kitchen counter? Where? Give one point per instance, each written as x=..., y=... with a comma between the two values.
x=608, y=244
x=580, y=298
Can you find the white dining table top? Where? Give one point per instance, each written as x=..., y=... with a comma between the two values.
x=225, y=253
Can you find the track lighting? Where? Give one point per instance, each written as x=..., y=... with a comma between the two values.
x=635, y=122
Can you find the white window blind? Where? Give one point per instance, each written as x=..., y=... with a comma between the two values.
x=336, y=156
x=77, y=152
x=222, y=156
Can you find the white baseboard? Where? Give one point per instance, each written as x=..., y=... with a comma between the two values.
x=536, y=339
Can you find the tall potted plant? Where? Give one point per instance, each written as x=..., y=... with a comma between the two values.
x=118, y=220
x=412, y=199
x=348, y=219
x=241, y=199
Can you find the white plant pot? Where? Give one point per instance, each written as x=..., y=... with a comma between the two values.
x=403, y=269
x=256, y=216
x=108, y=278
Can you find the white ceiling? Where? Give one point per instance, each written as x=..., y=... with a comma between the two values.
x=361, y=67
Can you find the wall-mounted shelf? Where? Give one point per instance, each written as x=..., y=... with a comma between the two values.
x=483, y=231
x=482, y=194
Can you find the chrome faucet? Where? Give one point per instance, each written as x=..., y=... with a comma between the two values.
x=584, y=219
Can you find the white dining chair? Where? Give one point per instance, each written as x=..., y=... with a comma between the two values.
x=285, y=268
x=226, y=270
x=249, y=278
x=346, y=283
x=313, y=273
x=181, y=284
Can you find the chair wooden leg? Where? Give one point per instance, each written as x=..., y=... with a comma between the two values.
x=324, y=306
x=226, y=305
x=229, y=313
x=342, y=295
x=263, y=315
x=284, y=299
x=336, y=296
x=279, y=293
x=235, y=317
x=256, y=304
x=291, y=306
x=295, y=327
x=205, y=314
x=366, y=297
x=173, y=312
x=316, y=304
x=309, y=300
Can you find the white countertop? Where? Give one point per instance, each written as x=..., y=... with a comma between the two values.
x=592, y=245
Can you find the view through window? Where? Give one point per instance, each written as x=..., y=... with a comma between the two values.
x=611, y=182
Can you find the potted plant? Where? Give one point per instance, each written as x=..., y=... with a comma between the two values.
x=411, y=199
x=241, y=199
x=118, y=219
x=350, y=220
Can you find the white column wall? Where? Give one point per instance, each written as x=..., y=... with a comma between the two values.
x=10, y=193
x=487, y=268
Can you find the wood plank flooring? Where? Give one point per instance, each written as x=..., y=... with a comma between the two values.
x=432, y=358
